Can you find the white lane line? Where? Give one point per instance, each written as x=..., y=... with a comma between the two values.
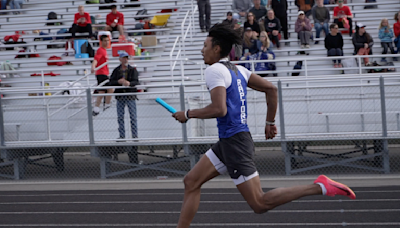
x=201, y=212
x=379, y=224
x=203, y=202
x=158, y=194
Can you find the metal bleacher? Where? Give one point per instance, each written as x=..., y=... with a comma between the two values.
x=177, y=60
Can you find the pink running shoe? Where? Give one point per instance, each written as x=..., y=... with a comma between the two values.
x=335, y=188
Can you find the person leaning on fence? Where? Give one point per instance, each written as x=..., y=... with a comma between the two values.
x=303, y=28
x=334, y=44
x=128, y=77
x=273, y=28
x=115, y=21
x=386, y=36
x=82, y=22
x=363, y=43
x=100, y=58
x=321, y=18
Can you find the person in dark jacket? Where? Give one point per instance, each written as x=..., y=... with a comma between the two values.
x=273, y=28
x=249, y=42
x=128, y=77
x=363, y=43
x=334, y=44
x=280, y=8
x=252, y=23
x=229, y=19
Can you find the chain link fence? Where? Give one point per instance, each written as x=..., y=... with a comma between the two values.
x=344, y=128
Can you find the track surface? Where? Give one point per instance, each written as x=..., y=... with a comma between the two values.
x=374, y=207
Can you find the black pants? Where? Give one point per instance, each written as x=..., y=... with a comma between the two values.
x=340, y=24
x=204, y=8
x=283, y=19
x=335, y=52
x=76, y=28
x=387, y=45
x=274, y=39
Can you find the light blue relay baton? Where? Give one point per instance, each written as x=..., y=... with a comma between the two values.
x=165, y=105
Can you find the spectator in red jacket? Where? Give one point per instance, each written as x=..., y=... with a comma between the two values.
x=115, y=21
x=82, y=22
x=396, y=28
x=343, y=17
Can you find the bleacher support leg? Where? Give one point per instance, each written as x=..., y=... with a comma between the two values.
x=19, y=168
x=386, y=164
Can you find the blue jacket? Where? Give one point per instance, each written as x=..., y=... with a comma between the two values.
x=386, y=36
x=260, y=56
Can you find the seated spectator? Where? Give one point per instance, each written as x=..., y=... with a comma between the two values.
x=363, y=43
x=343, y=17
x=16, y=4
x=115, y=21
x=273, y=28
x=249, y=42
x=82, y=23
x=334, y=44
x=264, y=53
x=396, y=28
x=303, y=28
x=229, y=19
x=386, y=36
x=252, y=23
x=321, y=18
x=237, y=50
x=258, y=10
x=305, y=5
x=241, y=7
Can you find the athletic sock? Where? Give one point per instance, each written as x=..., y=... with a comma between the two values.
x=96, y=109
x=323, y=188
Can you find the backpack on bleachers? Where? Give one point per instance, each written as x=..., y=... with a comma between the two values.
x=93, y=2
x=87, y=48
x=53, y=16
x=348, y=63
x=371, y=6
x=298, y=66
x=141, y=12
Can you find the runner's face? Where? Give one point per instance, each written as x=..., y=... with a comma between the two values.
x=210, y=53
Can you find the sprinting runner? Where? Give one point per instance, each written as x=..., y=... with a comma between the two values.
x=234, y=151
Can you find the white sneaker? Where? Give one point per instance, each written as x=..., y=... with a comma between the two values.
x=302, y=46
x=307, y=46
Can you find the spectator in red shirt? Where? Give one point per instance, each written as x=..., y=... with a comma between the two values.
x=342, y=15
x=100, y=58
x=82, y=22
x=115, y=21
x=396, y=28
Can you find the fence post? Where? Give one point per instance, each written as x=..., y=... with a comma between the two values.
x=186, y=150
x=2, y=139
x=386, y=165
x=288, y=166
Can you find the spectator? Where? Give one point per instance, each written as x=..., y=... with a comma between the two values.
x=343, y=17
x=321, y=18
x=258, y=10
x=305, y=5
x=115, y=21
x=396, y=28
x=237, y=50
x=16, y=4
x=250, y=42
x=82, y=22
x=100, y=58
x=252, y=23
x=264, y=3
x=204, y=9
x=264, y=53
x=386, y=35
x=229, y=19
x=334, y=44
x=303, y=28
x=241, y=7
x=4, y=4
x=363, y=43
x=128, y=77
x=273, y=28
x=280, y=10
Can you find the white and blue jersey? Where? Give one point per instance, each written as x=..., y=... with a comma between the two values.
x=234, y=79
